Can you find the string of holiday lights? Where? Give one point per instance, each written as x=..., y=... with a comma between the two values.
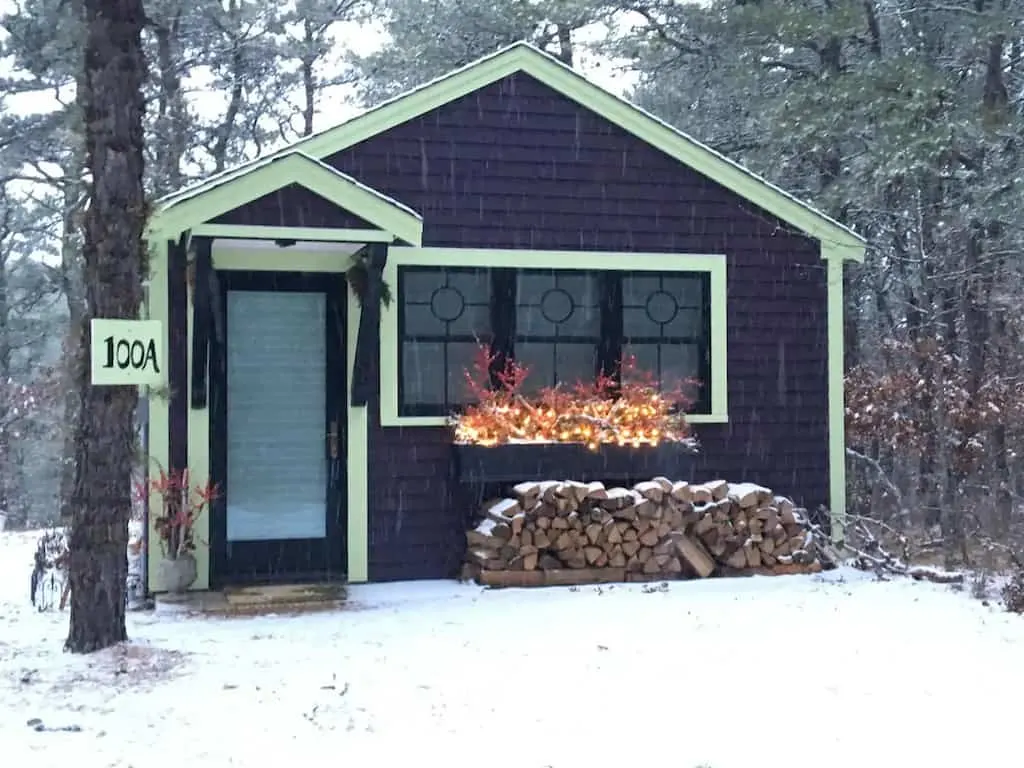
x=632, y=412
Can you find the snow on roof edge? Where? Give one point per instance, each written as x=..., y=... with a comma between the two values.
x=364, y=187
x=196, y=190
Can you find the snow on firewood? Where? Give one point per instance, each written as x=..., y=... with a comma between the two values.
x=749, y=494
x=504, y=509
x=658, y=528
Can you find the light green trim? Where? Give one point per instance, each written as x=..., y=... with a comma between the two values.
x=227, y=193
x=294, y=233
x=441, y=421
x=284, y=260
x=357, y=431
x=358, y=434
x=715, y=265
x=158, y=446
x=553, y=73
x=198, y=460
x=836, y=398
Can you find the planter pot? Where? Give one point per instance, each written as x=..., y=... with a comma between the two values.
x=517, y=462
x=179, y=574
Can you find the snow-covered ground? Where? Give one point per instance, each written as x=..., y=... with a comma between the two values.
x=837, y=671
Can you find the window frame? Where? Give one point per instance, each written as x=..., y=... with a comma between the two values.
x=711, y=266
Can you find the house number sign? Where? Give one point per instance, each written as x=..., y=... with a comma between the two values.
x=127, y=352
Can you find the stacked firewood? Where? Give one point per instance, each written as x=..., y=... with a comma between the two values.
x=657, y=528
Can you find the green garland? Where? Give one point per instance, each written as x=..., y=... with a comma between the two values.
x=358, y=276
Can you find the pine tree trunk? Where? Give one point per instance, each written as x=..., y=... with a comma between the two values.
x=112, y=109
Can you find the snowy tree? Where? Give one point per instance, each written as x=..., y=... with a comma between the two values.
x=428, y=39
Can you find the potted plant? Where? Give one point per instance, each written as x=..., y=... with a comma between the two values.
x=181, y=504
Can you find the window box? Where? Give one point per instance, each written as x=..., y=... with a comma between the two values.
x=518, y=462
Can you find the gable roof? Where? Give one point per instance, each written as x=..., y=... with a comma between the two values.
x=228, y=191
x=524, y=57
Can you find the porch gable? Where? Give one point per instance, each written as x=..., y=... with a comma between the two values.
x=204, y=210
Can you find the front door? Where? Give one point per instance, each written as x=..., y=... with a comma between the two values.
x=277, y=428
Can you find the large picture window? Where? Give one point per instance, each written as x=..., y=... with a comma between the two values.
x=566, y=325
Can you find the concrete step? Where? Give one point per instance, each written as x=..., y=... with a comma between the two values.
x=257, y=600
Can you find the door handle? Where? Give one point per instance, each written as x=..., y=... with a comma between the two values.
x=332, y=440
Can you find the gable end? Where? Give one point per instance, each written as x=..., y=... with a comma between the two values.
x=292, y=206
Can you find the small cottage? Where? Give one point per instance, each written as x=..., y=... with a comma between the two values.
x=321, y=306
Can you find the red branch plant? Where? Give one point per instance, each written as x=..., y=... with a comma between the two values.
x=633, y=411
x=181, y=505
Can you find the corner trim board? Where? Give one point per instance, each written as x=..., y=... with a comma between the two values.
x=713, y=264
x=836, y=396
x=159, y=406
x=201, y=317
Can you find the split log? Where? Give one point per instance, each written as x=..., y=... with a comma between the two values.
x=695, y=555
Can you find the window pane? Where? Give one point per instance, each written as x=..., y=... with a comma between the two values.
x=460, y=359
x=540, y=359
x=420, y=321
x=688, y=323
x=474, y=321
x=688, y=289
x=552, y=364
x=645, y=357
x=662, y=306
x=637, y=287
x=531, y=285
x=678, y=363
x=636, y=323
x=423, y=378
x=558, y=326
x=668, y=364
x=560, y=303
x=444, y=313
x=664, y=327
x=530, y=322
x=418, y=285
x=474, y=285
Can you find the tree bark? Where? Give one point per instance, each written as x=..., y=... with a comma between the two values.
x=6, y=463
x=112, y=108
x=307, y=61
x=172, y=122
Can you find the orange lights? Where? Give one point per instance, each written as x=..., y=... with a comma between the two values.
x=631, y=413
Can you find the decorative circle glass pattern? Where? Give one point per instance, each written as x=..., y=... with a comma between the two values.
x=447, y=303
x=556, y=305
x=662, y=307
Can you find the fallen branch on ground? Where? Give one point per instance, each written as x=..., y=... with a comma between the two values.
x=867, y=553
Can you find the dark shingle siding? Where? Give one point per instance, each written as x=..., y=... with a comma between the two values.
x=515, y=165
